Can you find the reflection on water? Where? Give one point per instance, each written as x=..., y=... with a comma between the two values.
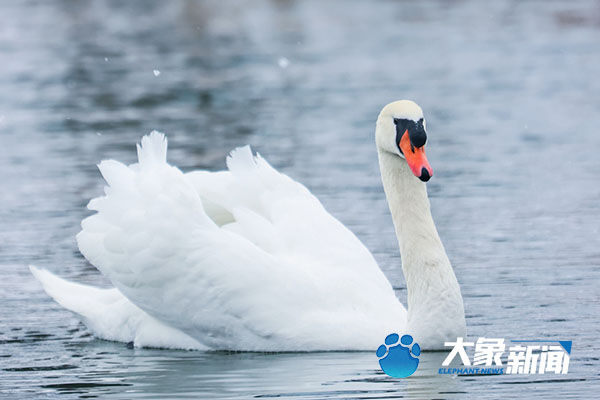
x=512, y=99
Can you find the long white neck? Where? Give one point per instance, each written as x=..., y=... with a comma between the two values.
x=435, y=306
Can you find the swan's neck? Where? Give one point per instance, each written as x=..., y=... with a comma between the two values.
x=435, y=307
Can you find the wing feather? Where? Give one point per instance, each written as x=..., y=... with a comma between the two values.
x=227, y=257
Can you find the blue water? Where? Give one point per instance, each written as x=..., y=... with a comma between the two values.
x=512, y=101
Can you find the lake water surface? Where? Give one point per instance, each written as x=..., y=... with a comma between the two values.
x=512, y=97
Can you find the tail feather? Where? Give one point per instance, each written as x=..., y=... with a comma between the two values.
x=80, y=299
x=109, y=315
x=152, y=149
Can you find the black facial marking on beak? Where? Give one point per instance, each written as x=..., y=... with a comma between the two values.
x=418, y=137
x=416, y=131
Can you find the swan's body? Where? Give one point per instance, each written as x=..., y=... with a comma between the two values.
x=248, y=259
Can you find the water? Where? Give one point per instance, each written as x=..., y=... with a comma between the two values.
x=511, y=94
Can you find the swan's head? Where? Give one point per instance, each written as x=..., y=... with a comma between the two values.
x=401, y=131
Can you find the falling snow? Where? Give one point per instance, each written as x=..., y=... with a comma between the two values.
x=283, y=62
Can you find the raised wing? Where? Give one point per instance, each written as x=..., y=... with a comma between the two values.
x=279, y=215
x=243, y=259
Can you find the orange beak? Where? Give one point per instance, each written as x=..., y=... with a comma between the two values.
x=415, y=157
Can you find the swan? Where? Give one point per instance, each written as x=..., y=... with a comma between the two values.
x=248, y=259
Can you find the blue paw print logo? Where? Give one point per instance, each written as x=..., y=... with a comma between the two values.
x=396, y=359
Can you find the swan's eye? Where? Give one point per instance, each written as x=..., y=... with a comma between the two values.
x=416, y=132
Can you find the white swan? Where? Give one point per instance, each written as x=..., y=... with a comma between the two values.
x=248, y=259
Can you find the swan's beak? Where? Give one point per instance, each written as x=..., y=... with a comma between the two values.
x=415, y=157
